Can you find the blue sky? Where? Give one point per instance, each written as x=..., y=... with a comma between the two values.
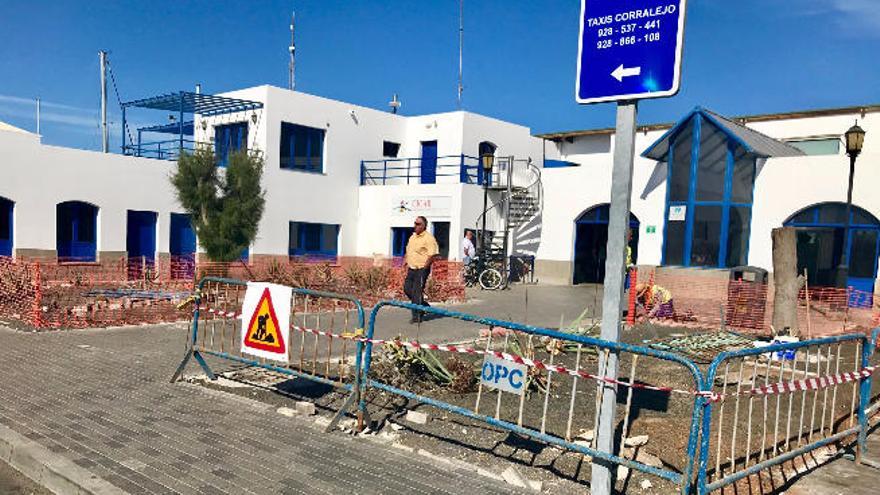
x=741, y=57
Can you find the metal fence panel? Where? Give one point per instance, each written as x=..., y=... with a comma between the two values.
x=573, y=376
x=323, y=346
x=777, y=402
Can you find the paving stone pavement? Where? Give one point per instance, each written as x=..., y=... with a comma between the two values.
x=101, y=399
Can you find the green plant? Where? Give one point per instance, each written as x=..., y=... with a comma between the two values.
x=225, y=208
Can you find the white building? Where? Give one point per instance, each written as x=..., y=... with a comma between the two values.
x=807, y=191
x=347, y=180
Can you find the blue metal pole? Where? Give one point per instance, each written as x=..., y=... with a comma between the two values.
x=864, y=399
x=462, y=172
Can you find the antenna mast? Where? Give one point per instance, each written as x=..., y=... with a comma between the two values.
x=291, y=83
x=460, y=45
x=105, y=136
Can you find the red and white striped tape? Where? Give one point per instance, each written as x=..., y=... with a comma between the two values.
x=776, y=388
x=812, y=383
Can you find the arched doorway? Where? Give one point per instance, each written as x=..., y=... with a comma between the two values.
x=591, y=239
x=6, y=207
x=821, y=245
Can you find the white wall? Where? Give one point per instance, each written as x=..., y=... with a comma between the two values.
x=569, y=191
x=37, y=177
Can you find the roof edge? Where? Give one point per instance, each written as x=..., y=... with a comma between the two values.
x=799, y=114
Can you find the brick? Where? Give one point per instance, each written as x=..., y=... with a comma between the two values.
x=305, y=408
x=417, y=417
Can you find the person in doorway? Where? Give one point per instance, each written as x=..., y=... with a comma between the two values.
x=468, y=251
x=421, y=250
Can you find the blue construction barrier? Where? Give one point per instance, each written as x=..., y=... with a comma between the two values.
x=317, y=320
x=537, y=430
x=794, y=376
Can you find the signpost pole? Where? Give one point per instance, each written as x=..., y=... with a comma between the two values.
x=612, y=299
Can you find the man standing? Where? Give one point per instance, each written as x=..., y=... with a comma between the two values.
x=420, y=253
x=468, y=251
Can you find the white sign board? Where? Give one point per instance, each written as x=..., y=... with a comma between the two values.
x=265, y=321
x=677, y=213
x=504, y=375
x=427, y=206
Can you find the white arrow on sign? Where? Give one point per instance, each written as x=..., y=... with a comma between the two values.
x=620, y=72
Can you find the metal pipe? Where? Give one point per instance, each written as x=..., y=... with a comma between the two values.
x=105, y=136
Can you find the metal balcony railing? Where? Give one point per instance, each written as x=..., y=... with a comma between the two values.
x=169, y=149
x=390, y=171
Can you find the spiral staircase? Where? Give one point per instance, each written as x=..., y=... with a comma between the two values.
x=513, y=215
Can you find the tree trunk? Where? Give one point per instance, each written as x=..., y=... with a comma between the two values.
x=786, y=281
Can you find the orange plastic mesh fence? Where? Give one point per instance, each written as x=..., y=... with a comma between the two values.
x=699, y=301
x=53, y=294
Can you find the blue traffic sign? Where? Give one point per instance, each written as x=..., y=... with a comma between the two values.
x=629, y=49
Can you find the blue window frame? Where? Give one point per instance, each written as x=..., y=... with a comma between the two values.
x=711, y=181
x=302, y=148
x=229, y=138
x=6, y=207
x=76, y=231
x=318, y=240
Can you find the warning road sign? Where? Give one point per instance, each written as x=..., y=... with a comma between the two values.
x=265, y=321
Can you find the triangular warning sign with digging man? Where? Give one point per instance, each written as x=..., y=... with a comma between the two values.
x=265, y=333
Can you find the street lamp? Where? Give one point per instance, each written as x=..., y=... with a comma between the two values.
x=855, y=138
x=486, y=161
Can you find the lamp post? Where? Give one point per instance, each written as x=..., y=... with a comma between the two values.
x=486, y=161
x=855, y=138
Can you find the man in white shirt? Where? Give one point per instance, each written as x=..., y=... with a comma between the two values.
x=468, y=251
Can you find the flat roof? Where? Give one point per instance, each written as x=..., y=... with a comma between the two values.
x=800, y=114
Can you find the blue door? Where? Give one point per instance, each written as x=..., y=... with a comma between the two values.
x=182, y=247
x=399, y=237
x=140, y=242
x=76, y=231
x=429, y=162
x=863, y=250
x=5, y=227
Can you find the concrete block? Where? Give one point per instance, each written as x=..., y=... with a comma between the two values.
x=286, y=411
x=512, y=477
x=636, y=441
x=417, y=417
x=305, y=408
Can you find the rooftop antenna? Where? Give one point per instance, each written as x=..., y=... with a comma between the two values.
x=291, y=83
x=105, y=136
x=460, y=46
x=394, y=103
x=38, y=116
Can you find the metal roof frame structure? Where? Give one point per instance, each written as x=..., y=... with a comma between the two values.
x=190, y=102
x=181, y=103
